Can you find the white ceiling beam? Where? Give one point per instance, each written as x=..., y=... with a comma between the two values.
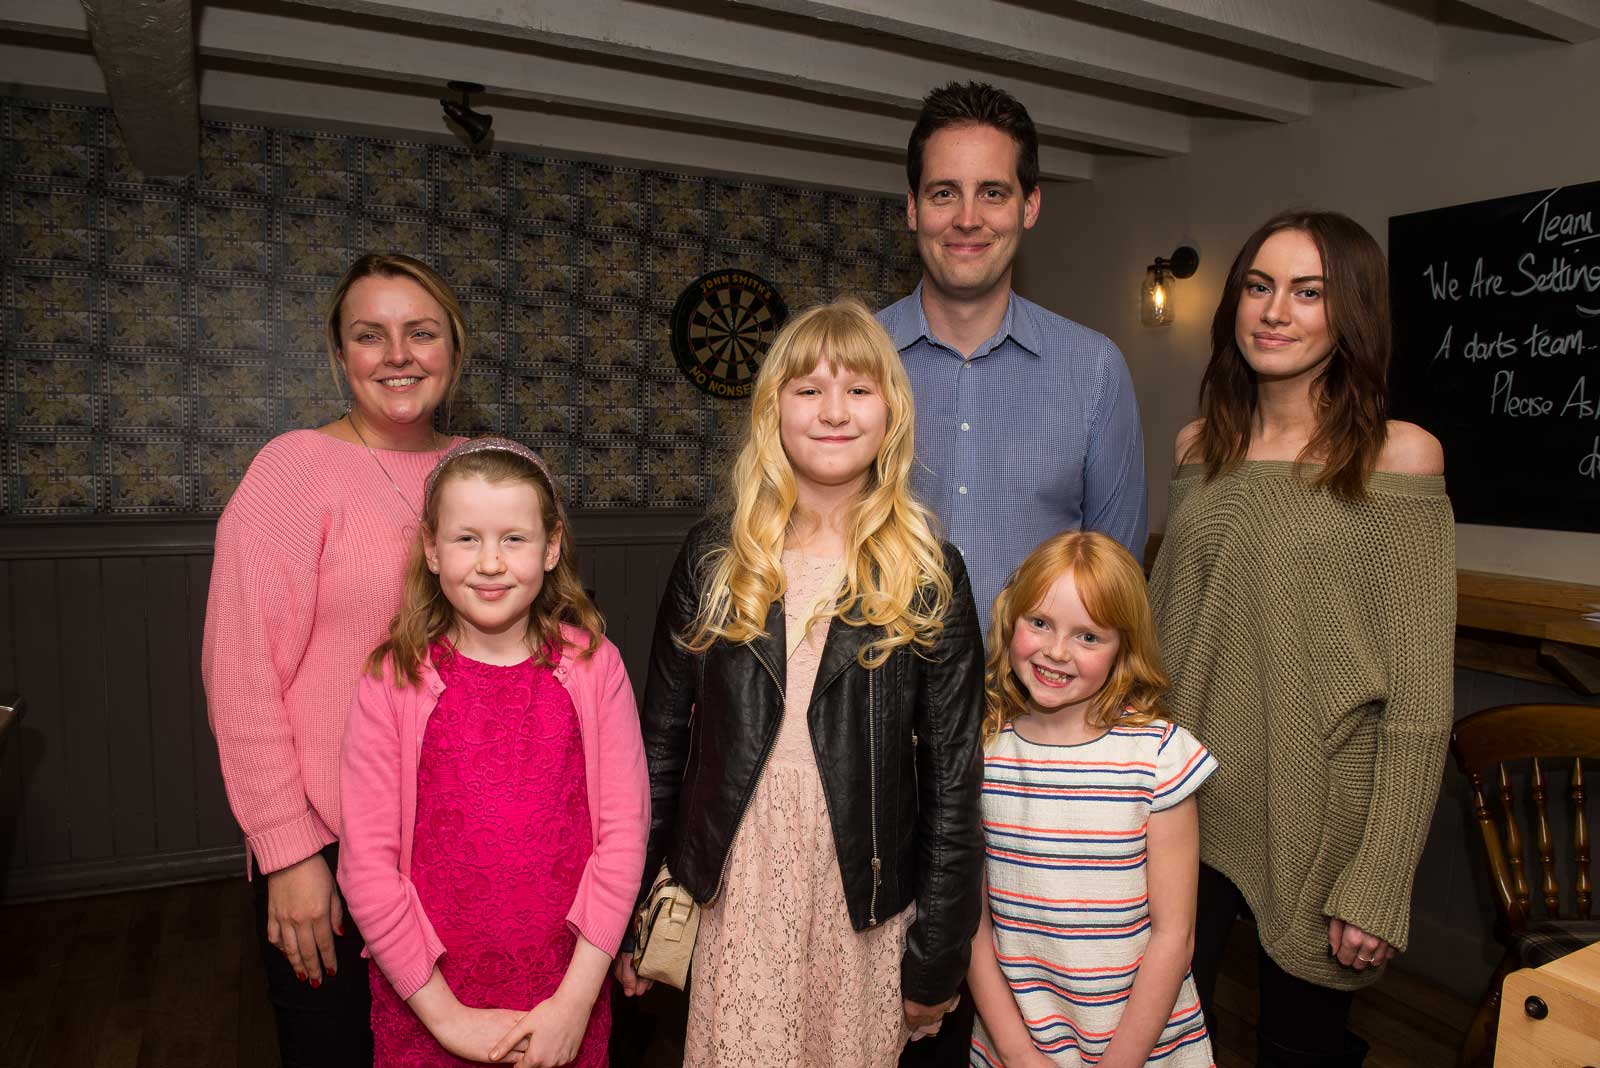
x=1566, y=20
x=298, y=43
x=1009, y=33
x=391, y=112
x=709, y=45
x=1367, y=38
x=146, y=49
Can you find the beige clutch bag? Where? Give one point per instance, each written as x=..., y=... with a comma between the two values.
x=668, y=922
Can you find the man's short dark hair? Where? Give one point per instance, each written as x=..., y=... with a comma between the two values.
x=975, y=104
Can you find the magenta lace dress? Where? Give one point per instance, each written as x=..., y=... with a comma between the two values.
x=502, y=837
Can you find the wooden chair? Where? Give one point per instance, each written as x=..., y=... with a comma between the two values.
x=1482, y=743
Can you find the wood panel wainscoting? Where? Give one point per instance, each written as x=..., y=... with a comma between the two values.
x=111, y=779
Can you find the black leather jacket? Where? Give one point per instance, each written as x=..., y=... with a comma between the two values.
x=897, y=748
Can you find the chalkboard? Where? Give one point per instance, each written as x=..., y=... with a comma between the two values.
x=1497, y=352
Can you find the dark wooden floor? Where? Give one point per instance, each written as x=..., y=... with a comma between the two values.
x=1409, y=1023
x=167, y=977
x=171, y=979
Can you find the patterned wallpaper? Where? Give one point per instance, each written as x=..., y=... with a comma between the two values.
x=155, y=333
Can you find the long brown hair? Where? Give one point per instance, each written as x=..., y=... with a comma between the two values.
x=398, y=265
x=1351, y=396
x=1112, y=587
x=425, y=614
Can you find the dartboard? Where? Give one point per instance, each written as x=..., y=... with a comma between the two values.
x=721, y=327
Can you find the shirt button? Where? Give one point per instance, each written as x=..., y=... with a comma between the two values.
x=966, y=426
x=961, y=489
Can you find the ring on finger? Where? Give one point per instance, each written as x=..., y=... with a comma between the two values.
x=1366, y=960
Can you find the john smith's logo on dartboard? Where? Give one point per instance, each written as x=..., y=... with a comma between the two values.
x=721, y=327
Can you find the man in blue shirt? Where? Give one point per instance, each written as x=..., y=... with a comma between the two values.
x=1026, y=422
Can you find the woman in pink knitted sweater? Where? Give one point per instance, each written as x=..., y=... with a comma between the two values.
x=309, y=557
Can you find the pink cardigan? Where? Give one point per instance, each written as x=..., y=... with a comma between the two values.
x=378, y=795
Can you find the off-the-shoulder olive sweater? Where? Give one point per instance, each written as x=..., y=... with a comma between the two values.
x=1310, y=640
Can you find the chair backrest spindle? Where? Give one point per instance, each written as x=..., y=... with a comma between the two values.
x=1484, y=744
x=1548, y=887
x=1504, y=884
x=1514, y=857
x=1580, y=841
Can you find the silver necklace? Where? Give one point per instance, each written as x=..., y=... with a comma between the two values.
x=411, y=509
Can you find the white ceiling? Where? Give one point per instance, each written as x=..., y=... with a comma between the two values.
x=820, y=91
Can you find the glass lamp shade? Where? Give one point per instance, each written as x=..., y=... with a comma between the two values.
x=1155, y=298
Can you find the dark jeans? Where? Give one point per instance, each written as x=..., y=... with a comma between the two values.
x=952, y=1046
x=330, y=1027
x=1302, y=1024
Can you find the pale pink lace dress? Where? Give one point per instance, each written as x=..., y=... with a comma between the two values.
x=780, y=977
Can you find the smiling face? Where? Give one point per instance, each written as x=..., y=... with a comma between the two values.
x=1060, y=654
x=394, y=346
x=491, y=553
x=832, y=423
x=1282, y=323
x=970, y=212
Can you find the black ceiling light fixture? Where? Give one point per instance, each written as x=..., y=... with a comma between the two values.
x=475, y=124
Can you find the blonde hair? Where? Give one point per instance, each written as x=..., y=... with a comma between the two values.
x=1112, y=587
x=426, y=615
x=397, y=265
x=894, y=570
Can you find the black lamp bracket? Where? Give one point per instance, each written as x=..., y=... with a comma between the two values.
x=466, y=89
x=1184, y=262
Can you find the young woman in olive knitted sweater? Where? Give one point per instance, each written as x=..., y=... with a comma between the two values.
x=1305, y=593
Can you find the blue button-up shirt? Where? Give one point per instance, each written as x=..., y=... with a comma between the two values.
x=1037, y=432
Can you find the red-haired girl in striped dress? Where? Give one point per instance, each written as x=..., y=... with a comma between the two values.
x=1092, y=844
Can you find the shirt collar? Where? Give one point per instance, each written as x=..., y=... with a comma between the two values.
x=911, y=326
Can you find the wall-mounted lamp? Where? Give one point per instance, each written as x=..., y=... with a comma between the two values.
x=474, y=123
x=1155, y=296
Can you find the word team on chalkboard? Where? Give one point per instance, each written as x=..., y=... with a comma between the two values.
x=1497, y=352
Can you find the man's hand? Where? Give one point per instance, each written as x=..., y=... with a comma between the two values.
x=628, y=979
x=923, y=1020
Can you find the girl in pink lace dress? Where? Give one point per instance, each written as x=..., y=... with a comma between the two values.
x=494, y=787
x=812, y=714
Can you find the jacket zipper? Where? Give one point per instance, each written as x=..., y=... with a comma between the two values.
x=872, y=794
x=916, y=776
x=761, y=767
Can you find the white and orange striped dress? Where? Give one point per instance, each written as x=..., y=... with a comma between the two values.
x=1064, y=832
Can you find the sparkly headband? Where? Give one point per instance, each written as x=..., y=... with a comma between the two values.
x=491, y=444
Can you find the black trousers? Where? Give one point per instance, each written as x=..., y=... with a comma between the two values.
x=330, y=1027
x=1302, y=1024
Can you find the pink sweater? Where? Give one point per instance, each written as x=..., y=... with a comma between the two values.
x=309, y=559
x=382, y=747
